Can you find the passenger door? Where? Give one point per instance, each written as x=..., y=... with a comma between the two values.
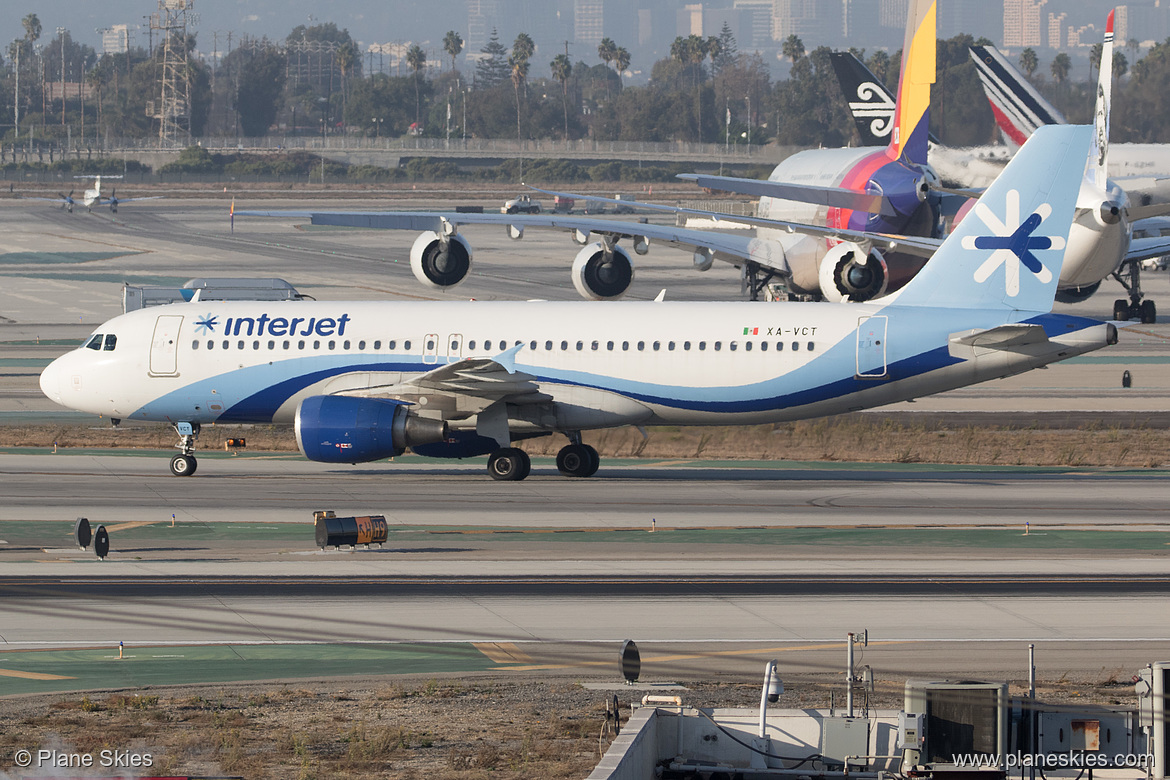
x=165, y=345
x=871, y=347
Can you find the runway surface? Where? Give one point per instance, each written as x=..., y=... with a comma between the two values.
x=564, y=600
x=110, y=487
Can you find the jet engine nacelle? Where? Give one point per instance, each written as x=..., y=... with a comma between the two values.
x=601, y=275
x=347, y=429
x=848, y=272
x=1077, y=294
x=439, y=261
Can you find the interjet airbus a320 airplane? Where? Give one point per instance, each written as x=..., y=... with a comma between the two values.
x=366, y=381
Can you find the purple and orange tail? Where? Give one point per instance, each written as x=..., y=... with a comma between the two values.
x=912, y=115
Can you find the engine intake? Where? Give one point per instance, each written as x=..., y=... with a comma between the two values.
x=847, y=272
x=602, y=275
x=439, y=262
x=346, y=429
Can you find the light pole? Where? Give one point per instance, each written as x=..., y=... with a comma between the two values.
x=61, y=39
x=377, y=126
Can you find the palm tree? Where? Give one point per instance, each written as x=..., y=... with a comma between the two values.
x=607, y=51
x=1029, y=62
x=692, y=50
x=453, y=45
x=793, y=47
x=562, y=68
x=347, y=57
x=32, y=28
x=417, y=60
x=1095, y=59
x=621, y=61
x=1061, y=65
x=519, y=74
x=522, y=50
x=1120, y=65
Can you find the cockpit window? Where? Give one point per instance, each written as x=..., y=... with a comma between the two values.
x=95, y=342
x=111, y=342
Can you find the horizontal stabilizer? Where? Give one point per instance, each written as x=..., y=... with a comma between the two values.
x=833, y=197
x=1003, y=337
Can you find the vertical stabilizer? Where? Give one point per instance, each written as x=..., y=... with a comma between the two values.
x=1099, y=154
x=1018, y=107
x=1007, y=253
x=912, y=116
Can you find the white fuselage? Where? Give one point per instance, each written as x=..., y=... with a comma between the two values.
x=594, y=365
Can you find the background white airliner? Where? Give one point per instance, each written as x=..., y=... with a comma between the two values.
x=363, y=381
x=93, y=196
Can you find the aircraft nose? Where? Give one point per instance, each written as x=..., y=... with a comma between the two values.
x=51, y=381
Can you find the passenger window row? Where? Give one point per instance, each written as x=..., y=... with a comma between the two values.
x=488, y=345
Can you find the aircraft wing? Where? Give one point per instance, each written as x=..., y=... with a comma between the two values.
x=130, y=200
x=834, y=197
x=919, y=246
x=1145, y=248
x=458, y=389
x=724, y=246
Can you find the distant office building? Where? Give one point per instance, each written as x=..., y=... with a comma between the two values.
x=1146, y=22
x=892, y=13
x=1121, y=24
x=755, y=23
x=859, y=20
x=483, y=16
x=795, y=17
x=1021, y=23
x=588, y=21
x=1085, y=35
x=968, y=16
x=715, y=19
x=1056, y=24
x=690, y=20
x=116, y=39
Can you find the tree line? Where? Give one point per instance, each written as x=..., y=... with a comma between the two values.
x=313, y=83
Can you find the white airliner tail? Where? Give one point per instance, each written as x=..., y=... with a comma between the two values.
x=1008, y=252
x=1099, y=155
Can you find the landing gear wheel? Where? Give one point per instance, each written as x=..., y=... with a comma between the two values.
x=183, y=465
x=1121, y=310
x=509, y=464
x=1149, y=312
x=594, y=460
x=577, y=460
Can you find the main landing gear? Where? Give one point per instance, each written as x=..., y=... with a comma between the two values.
x=1129, y=274
x=184, y=464
x=578, y=460
x=509, y=464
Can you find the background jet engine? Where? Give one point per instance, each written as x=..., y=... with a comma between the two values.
x=848, y=272
x=439, y=261
x=346, y=429
x=601, y=274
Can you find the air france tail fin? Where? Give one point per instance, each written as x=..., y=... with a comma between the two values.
x=912, y=115
x=1008, y=252
x=1017, y=106
x=1099, y=155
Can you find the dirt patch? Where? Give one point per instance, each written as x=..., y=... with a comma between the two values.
x=438, y=729
x=1101, y=442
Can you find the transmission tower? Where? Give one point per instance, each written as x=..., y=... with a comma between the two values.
x=173, y=110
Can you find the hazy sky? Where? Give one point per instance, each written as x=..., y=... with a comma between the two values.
x=369, y=21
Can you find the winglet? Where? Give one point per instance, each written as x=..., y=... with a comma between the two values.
x=507, y=358
x=912, y=114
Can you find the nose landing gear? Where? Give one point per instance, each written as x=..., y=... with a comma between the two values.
x=184, y=464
